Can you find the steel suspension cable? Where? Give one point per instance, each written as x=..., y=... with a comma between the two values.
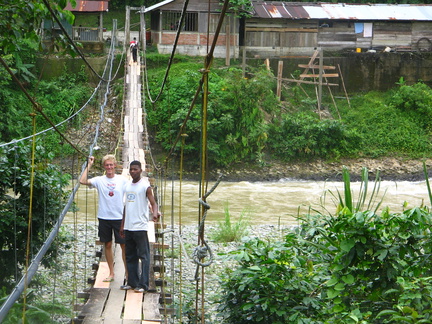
x=30, y=215
x=33, y=267
x=180, y=222
x=205, y=70
x=65, y=33
x=170, y=61
x=15, y=214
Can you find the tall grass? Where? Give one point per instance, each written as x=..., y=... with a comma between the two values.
x=227, y=231
x=364, y=199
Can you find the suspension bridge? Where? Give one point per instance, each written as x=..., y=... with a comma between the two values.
x=104, y=302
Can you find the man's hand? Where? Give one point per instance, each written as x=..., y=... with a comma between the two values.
x=156, y=217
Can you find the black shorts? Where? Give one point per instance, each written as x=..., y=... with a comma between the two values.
x=106, y=229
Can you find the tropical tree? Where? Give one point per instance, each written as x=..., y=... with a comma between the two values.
x=21, y=19
x=48, y=197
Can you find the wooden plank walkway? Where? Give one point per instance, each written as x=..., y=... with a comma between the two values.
x=111, y=305
x=107, y=303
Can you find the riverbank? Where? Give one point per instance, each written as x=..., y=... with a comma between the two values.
x=389, y=168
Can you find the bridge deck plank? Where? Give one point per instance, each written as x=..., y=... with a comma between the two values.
x=114, y=306
x=110, y=304
x=133, y=305
x=94, y=306
x=103, y=272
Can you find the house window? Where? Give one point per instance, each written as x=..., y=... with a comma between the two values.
x=364, y=29
x=213, y=22
x=171, y=20
x=325, y=23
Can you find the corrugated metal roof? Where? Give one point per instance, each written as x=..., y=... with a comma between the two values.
x=160, y=4
x=88, y=6
x=292, y=10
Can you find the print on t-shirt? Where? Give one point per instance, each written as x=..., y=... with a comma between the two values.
x=111, y=188
x=131, y=196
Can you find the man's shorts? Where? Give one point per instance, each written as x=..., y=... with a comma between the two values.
x=107, y=228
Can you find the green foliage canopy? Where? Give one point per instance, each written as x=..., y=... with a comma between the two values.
x=237, y=112
x=21, y=19
x=356, y=266
x=48, y=200
x=246, y=123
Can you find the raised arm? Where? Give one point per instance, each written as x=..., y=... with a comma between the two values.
x=84, y=177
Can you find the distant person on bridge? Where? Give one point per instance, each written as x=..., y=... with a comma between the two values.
x=139, y=203
x=110, y=189
x=134, y=49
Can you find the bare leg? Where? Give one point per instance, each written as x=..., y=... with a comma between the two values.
x=110, y=258
x=123, y=247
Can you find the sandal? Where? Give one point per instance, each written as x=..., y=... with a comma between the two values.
x=108, y=279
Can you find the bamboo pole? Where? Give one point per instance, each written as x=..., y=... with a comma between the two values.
x=343, y=85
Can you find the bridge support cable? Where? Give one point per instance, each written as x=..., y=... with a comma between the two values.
x=170, y=61
x=34, y=265
x=96, y=91
x=203, y=251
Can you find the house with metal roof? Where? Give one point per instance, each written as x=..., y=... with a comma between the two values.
x=197, y=33
x=89, y=7
x=278, y=29
x=91, y=37
x=290, y=28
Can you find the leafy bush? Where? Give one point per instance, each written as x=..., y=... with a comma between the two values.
x=270, y=285
x=59, y=98
x=48, y=196
x=246, y=123
x=416, y=101
x=353, y=267
x=237, y=127
x=35, y=312
x=385, y=130
x=304, y=135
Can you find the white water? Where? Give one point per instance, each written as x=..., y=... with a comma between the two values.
x=262, y=202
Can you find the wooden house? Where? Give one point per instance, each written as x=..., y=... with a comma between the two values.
x=278, y=29
x=91, y=37
x=197, y=32
x=288, y=28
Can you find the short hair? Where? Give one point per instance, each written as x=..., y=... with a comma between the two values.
x=108, y=157
x=136, y=163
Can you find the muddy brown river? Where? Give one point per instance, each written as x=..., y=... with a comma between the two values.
x=261, y=202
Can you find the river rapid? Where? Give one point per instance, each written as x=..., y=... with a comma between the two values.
x=270, y=202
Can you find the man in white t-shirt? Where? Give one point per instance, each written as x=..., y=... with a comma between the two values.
x=139, y=201
x=110, y=210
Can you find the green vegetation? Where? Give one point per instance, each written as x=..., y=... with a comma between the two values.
x=246, y=122
x=236, y=121
x=353, y=267
x=18, y=19
x=227, y=231
x=38, y=312
x=59, y=98
x=49, y=196
x=118, y=14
